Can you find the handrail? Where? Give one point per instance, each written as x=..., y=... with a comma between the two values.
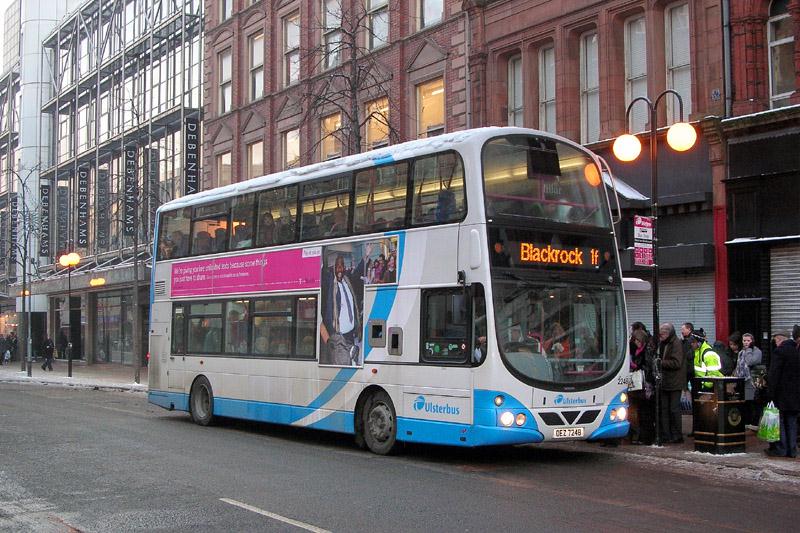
x=613, y=186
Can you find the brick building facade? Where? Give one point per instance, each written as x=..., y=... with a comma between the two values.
x=588, y=60
x=758, y=170
x=417, y=50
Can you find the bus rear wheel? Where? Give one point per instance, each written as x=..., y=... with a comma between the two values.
x=379, y=423
x=201, y=402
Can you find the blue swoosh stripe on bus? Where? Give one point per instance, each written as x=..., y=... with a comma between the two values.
x=384, y=301
x=383, y=160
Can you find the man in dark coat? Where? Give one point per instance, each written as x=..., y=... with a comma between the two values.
x=784, y=386
x=673, y=372
x=47, y=352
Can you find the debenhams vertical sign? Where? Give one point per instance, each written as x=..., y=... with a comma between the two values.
x=131, y=192
x=191, y=139
x=44, y=233
x=83, y=207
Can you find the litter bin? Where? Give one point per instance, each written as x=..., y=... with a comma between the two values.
x=717, y=415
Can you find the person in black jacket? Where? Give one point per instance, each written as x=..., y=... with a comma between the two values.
x=47, y=352
x=673, y=379
x=784, y=386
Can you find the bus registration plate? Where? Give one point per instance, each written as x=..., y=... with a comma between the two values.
x=568, y=433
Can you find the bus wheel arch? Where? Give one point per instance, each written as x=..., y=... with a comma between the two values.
x=201, y=401
x=376, y=421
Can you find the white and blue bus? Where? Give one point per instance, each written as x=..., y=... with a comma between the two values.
x=460, y=290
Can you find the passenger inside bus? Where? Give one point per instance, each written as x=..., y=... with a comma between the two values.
x=220, y=239
x=559, y=346
x=339, y=225
x=242, y=236
x=202, y=243
x=180, y=244
x=260, y=345
x=266, y=229
x=286, y=227
x=236, y=335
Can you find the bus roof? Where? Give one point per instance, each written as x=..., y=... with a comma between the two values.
x=383, y=155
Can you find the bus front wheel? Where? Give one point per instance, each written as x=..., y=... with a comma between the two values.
x=201, y=402
x=379, y=423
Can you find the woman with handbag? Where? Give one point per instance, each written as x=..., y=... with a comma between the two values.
x=748, y=357
x=641, y=408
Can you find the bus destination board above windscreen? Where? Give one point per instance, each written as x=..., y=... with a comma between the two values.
x=514, y=248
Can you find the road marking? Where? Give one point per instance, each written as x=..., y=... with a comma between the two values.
x=274, y=516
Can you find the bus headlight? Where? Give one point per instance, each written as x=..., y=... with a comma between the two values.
x=507, y=419
x=498, y=400
x=623, y=397
x=521, y=419
x=619, y=414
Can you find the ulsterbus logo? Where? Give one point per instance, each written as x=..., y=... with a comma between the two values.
x=563, y=400
x=431, y=407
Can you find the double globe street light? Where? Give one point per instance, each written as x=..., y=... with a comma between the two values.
x=69, y=261
x=681, y=137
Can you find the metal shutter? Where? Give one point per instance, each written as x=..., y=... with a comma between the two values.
x=640, y=307
x=683, y=298
x=784, y=286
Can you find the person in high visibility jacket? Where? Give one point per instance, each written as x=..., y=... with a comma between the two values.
x=707, y=362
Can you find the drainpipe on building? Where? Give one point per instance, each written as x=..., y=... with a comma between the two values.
x=467, y=42
x=726, y=56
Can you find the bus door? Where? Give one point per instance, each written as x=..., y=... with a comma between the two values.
x=175, y=351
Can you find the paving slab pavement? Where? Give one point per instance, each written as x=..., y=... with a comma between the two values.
x=112, y=376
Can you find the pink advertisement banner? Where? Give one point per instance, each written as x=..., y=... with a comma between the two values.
x=283, y=270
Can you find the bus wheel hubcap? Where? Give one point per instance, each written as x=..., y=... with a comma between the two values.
x=202, y=402
x=380, y=422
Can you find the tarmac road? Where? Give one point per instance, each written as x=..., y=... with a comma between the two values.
x=74, y=459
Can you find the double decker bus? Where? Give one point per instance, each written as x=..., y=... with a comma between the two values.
x=460, y=290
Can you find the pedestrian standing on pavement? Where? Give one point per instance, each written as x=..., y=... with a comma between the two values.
x=748, y=357
x=673, y=374
x=3, y=348
x=641, y=401
x=47, y=352
x=784, y=386
x=688, y=353
x=707, y=362
x=12, y=345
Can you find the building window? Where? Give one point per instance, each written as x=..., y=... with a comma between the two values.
x=547, y=89
x=225, y=85
x=679, y=66
x=331, y=30
x=430, y=108
x=636, y=72
x=590, y=89
x=515, y=96
x=431, y=12
x=291, y=148
x=223, y=169
x=331, y=144
x=255, y=159
x=291, y=49
x=225, y=10
x=256, y=66
x=377, y=131
x=64, y=137
x=378, y=23
x=781, y=49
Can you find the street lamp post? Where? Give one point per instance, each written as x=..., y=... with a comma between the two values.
x=681, y=136
x=69, y=261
